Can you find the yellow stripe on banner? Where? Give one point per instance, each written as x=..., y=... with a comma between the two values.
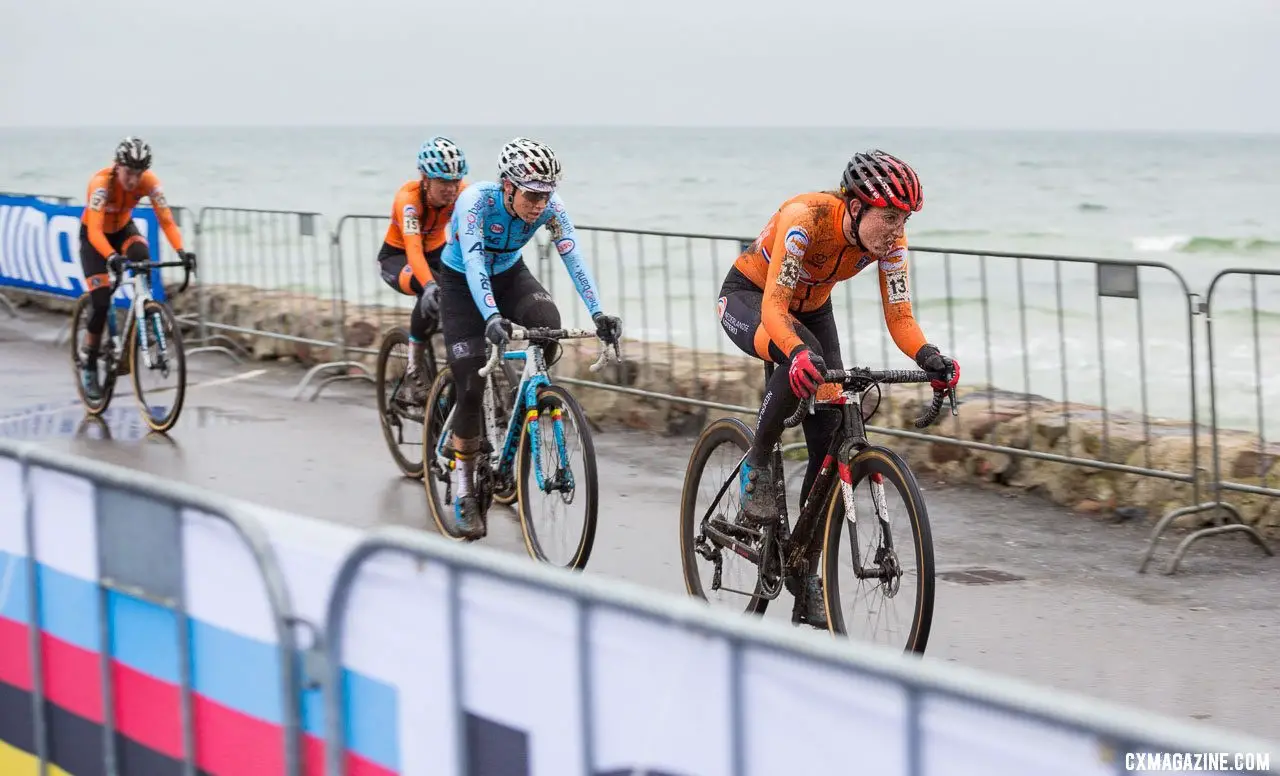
x=18, y=763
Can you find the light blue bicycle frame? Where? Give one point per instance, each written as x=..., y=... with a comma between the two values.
x=533, y=378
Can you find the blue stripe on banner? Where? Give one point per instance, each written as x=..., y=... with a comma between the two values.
x=68, y=608
x=144, y=636
x=313, y=713
x=14, y=599
x=373, y=719
x=237, y=672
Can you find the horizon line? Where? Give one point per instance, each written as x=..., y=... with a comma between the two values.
x=615, y=126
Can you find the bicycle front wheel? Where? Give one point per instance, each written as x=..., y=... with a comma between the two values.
x=879, y=585
x=165, y=358
x=555, y=477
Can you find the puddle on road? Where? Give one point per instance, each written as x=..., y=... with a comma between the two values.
x=120, y=423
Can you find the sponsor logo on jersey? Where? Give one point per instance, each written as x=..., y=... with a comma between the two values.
x=496, y=228
x=796, y=241
x=564, y=246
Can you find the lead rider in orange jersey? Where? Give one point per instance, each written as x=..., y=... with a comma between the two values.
x=411, y=248
x=107, y=232
x=775, y=304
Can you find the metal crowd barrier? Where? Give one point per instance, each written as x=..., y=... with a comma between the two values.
x=1095, y=348
x=148, y=627
x=276, y=275
x=1251, y=477
x=126, y=604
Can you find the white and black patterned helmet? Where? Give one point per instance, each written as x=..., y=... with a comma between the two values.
x=529, y=165
x=134, y=153
x=441, y=158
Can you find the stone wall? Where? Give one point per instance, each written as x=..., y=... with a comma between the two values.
x=987, y=415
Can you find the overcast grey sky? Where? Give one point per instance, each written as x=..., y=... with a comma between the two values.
x=1084, y=64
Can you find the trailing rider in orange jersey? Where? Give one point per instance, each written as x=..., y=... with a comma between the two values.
x=411, y=248
x=775, y=304
x=107, y=233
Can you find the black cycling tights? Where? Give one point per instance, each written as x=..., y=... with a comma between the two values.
x=520, y=298
x=741, y=319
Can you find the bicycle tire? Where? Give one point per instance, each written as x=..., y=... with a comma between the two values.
x=719, y=431
x=84, y=306
x=397, y=336
x=174, y=350
x=894, y=469
x=435, y=479
x=549, y=395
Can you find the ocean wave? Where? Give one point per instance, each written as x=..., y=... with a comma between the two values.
x=1180, y=243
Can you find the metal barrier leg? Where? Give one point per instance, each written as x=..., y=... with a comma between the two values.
x=311, y=374
x=1234, y=524
x=63, y=335
x=9, y=306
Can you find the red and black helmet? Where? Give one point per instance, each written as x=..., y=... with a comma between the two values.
x=879, y=179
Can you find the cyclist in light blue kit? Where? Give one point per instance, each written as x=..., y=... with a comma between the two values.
x=484, y=281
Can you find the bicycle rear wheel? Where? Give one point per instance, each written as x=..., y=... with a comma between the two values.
x=106, y=363
x=896, y=587
x=167, y=357
x=404, y=443
x=564, y=481
x=712, y=464
x=437, y=459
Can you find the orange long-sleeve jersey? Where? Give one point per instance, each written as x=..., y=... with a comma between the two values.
x=417, y=228
x=800, y=256
x=110, y=208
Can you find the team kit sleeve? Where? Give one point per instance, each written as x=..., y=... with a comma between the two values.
x=895, y=293
x=790, y=243
x=97, y=202
x=565, y=239
x=469, y=211
x=155, y=193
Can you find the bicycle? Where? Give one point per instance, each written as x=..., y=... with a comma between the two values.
x=146, y=318
x=783, y=557
x=515, y=421
x=393, y=410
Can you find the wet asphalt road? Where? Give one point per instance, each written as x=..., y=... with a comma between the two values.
x=1204, y=644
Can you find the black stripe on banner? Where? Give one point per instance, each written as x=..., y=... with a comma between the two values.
x=17, y=728
x=135, y=759
x=75, y=743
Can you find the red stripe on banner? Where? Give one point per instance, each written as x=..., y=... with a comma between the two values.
x=15, y=654
x=72, y=678
x=148, y=710
x=358, y=766
x=230, y=742
x=313, y=752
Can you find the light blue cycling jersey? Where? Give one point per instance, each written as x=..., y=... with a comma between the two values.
x=483, y=239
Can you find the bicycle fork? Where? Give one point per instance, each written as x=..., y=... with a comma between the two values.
x=885, y=564
x=562, y=480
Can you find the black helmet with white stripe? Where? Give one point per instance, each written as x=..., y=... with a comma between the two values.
x=134, y=153
x=529, y=164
